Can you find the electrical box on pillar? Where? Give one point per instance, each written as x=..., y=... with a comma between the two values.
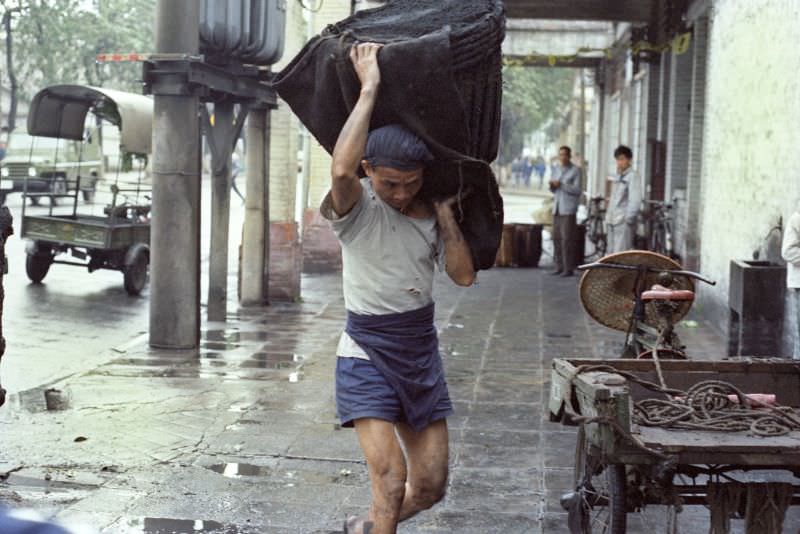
x=250, y=31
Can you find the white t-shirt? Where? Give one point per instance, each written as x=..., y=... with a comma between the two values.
x=388, y=259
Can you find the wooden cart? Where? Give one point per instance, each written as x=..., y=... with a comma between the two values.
x=621, y=466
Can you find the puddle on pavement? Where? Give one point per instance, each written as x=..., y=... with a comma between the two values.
x=220, y=345
x=237, y=470
x=182, y=372
x=19, y=482
x=289, y=478
x=153, y=362
x=272, y=360
x=236, y=336
x=161, y=525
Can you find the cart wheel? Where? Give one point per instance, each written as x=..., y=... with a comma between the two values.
x=37, y=265
x=136, y=271
x=601, y=492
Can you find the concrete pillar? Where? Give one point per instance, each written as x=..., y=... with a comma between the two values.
x=255, y=235
x=321, y=251
x=285, y=253
x=220, y=211
x=175, y=228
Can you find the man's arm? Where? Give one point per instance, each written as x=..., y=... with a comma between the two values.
x=634, y=198
x=571, y=184
x=352, y=141
x=458, y=258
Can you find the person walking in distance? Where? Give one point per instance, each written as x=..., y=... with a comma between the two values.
x=623, y=206
x=566, y=187
x=390, y=382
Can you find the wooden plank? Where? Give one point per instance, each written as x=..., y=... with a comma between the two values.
x=743, y=365
x=559, y=391
x=680, y=440
x=609, y=10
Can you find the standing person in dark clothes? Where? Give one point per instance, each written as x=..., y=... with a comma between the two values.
x=566, y=187
x=527, y=171
x=390, y=381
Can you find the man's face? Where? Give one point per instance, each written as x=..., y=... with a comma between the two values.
x=623, y=162
x=564, y=157
x=395, y=187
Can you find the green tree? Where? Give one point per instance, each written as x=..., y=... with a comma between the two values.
x=531, y=96
x=57, y=41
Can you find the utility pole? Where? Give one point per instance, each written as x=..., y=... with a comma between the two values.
x=175, y=227
x=255, y=239
x=220, y=138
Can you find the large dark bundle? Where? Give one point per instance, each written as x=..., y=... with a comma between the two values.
x=440, y=77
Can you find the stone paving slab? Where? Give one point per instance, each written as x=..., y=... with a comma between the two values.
x=241, y=436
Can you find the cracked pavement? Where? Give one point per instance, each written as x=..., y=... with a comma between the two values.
x=240, y=436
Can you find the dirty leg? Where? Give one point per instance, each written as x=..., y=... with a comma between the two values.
x=427, y=454
x=387, y=473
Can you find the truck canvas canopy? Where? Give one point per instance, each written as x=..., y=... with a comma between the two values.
x=60, y=111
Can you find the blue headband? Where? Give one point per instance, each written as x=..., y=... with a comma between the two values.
x=396, y=147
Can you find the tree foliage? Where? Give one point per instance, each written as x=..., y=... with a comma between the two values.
x=531, y=96
x=57, y=41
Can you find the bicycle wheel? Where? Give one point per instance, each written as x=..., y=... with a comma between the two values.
x=657, y=239
x=599, y=237
x=601, y=489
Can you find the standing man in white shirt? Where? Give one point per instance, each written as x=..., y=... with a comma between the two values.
x=566, y=188
x=791, y=253
x=623, y=206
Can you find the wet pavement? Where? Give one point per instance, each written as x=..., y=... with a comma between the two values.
x=69, y=322
x=241, y=437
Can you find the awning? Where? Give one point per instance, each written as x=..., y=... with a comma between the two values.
x=60, y=111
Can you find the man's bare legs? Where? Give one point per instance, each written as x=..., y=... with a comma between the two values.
x=401, y=487
x=427, y=456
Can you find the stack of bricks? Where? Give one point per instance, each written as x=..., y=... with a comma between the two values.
x=285, y=255
x=321, y=250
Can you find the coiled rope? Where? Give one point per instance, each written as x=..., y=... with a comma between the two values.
x=707, y=405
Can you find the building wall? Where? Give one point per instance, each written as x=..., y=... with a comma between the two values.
x=285, y=128
x=319, y=174
x=284, y=241
x=749, y=175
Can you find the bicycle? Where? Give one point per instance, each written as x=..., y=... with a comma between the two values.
x=595, y=226
x=658, y=224
x=662, y=294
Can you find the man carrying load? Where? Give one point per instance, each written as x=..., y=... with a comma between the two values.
x=390, y=381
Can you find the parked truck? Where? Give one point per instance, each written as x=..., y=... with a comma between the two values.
x=50, y=165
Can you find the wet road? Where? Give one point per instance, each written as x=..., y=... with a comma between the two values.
x=69, y=322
